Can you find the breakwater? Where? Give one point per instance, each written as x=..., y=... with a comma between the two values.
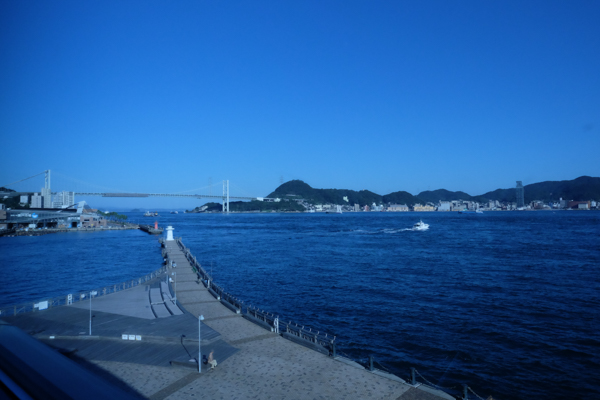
x=315, y=340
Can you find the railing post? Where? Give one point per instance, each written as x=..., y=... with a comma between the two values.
x=413, y=378
x=465, y=394
x=371, y=363
x=333, y=349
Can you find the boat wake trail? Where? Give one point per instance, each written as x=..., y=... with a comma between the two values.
x=380, y=231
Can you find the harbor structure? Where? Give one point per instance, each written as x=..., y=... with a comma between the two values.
x=145, y=340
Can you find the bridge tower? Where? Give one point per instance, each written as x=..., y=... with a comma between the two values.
x=46, y=191
x=226, y=196
x=47, y=179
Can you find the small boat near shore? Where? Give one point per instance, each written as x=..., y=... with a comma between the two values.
x=338, y=210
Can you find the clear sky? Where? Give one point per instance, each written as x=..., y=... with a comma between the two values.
x=160, y=96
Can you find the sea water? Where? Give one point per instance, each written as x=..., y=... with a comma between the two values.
x=506, y=302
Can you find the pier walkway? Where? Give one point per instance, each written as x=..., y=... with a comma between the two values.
x=146, y=343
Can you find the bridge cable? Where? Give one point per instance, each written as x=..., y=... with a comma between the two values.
x=43, y=172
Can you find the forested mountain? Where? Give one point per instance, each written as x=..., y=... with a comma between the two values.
x=582, y=188
x=297, y=189
x=443, y=195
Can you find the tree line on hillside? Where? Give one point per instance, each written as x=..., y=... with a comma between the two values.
x=254, y=206
x=582, y=188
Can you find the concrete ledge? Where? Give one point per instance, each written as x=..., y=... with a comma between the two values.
x=230, y=306
x=305, y=343
x=436, y=392
x=214, y=294
x=348, y=361
x=258, y=322
x=388, y=375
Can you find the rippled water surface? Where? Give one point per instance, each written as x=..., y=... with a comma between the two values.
x=507, y=303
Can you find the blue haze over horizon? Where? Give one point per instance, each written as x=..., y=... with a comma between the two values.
x=384, y=96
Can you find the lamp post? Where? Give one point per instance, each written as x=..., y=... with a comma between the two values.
x=92, y=293
x=200, y=319
x=175, y=290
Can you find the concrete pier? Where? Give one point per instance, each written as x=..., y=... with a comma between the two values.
x=146, y=343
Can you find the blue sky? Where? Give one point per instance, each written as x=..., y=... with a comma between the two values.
x=160, y=96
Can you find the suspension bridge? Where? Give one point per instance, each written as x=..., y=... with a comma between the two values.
x=46, y=192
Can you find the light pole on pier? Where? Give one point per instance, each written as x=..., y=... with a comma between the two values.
x=175, y=284
x=200, y=319
x=92, y=293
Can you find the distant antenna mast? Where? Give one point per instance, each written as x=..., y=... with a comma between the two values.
x=281, y=180
x=47, y=180
x=210, y=186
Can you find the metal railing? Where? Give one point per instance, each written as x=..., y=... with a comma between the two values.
x=301, y=334
x=311, y=337
x=78, y=296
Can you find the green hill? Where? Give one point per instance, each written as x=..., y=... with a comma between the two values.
x=298, y=189
x=255, y=206
x=403, y=198
x=582, y=188
x=443, y=195
x=10, y=201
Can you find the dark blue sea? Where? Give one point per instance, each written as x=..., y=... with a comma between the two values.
x=506, y=302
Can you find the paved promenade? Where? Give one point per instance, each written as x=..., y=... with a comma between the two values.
x=253, y=363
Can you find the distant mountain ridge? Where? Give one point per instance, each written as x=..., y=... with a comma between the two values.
x=579, y=189
x=298, y=189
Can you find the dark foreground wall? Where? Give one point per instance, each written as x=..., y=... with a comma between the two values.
x=30, y=369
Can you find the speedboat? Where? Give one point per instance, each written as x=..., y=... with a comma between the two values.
x=420, y=226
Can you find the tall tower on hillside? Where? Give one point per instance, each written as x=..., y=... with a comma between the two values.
x=47, y=192
x=520, y=194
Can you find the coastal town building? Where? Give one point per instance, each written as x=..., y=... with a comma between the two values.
x=46, y=198
x=36, y=201
x=398, y=207
x=426, y=207
x=579, y=205
x=63, y=199
x=444, y=206
x=92, y=221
